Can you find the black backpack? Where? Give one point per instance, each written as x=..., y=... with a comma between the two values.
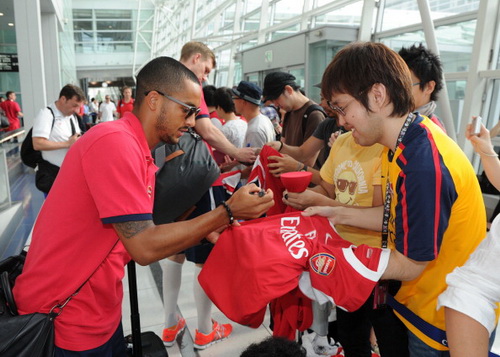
x=29, y=156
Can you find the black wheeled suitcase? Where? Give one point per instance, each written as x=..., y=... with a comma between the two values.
x=145, y=344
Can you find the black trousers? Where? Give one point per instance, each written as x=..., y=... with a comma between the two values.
x=354, y=331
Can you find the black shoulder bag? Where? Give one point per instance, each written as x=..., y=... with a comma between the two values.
x=30, y=335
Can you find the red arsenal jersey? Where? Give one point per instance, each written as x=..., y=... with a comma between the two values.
x=263, y=259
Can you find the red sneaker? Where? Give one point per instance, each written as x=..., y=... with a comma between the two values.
x=171, y=333
x=219, y=333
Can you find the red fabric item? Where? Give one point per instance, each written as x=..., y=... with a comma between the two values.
x=262, y=260
x=261, y=176
x=291, y=312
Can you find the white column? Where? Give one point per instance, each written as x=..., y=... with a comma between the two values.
x=52, y=62
x=31, y=61
x=365, y=27
x=430, y=39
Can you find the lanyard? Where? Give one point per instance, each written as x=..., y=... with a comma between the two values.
x=388, y=197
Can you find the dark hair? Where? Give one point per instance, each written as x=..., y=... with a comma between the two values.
x=8, y=93
x=208, y=94
x=164, y=74
x=274, y=347
x=425, y=65
x=69, y=91
x=360, y=65
x=223, y=97
x=125, y=87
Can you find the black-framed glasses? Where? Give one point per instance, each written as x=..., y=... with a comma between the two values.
x=337, y=109
x=188, y=109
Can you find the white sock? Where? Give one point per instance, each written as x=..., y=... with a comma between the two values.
x=203, y=305
x=172, y=276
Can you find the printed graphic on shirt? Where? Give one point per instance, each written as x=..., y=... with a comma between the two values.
x=322, y=263
x=349, y=178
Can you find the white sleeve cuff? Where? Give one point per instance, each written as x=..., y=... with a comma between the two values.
x=469, y=303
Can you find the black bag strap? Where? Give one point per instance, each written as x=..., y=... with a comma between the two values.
x=53, y=117
x=73, y=130
x=308, y=111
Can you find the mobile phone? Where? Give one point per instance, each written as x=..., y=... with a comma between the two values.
x=476, y=125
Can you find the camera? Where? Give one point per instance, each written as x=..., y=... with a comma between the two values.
x=476, y=125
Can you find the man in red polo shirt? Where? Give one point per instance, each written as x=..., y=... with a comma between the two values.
x=99, y=215
x=126, y=104
x=12, y=111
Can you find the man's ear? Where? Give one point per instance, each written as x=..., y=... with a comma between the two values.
x=153, y=101
x=429, y=87
x=288, y=89
x=379, y=96
x=196, y=58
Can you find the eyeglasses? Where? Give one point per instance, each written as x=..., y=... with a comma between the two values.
x=416, y=84
x=337, y=109
x=188, y=109
x=342, y=185
x=235, y=97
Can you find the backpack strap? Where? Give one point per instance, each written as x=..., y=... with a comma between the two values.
x=308, y=111
x=73, y=130
x=53, y=117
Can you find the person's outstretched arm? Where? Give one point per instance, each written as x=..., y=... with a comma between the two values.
x=147, y=242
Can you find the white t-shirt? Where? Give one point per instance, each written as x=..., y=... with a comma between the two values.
x=107, y=110
x=260, y=131
x=235, y=131
x=61, y=131
x=474, y=288
x=216, y=122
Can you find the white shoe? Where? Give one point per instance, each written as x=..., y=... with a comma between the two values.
x=323, y=347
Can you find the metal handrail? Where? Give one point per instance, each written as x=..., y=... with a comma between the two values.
x=11, y=134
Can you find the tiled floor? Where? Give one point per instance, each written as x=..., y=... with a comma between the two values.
x=151, y=314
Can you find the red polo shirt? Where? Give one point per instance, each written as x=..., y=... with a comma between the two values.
x=106, y=177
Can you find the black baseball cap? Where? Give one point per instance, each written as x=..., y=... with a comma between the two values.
x=275, y=82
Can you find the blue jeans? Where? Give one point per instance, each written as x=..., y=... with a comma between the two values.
x=419, y=349
x=115, y=347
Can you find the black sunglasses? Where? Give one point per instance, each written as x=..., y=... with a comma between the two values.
x=188, y=109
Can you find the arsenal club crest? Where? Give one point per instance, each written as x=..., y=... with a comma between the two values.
x=322, y=263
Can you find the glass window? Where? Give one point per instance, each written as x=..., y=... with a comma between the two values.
x=228, y=15
x=83, y=36
x=456, y=93
x=291, y=30
x=223, y=58
x=251, y=5
x=284, y=10
x=113, y=14
x=252, y=22
x=455, y=43
x=82, y=25
x=113, y=25
x=398, y=13
x=114, y=36
x=82, y=14
x=347, y=15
